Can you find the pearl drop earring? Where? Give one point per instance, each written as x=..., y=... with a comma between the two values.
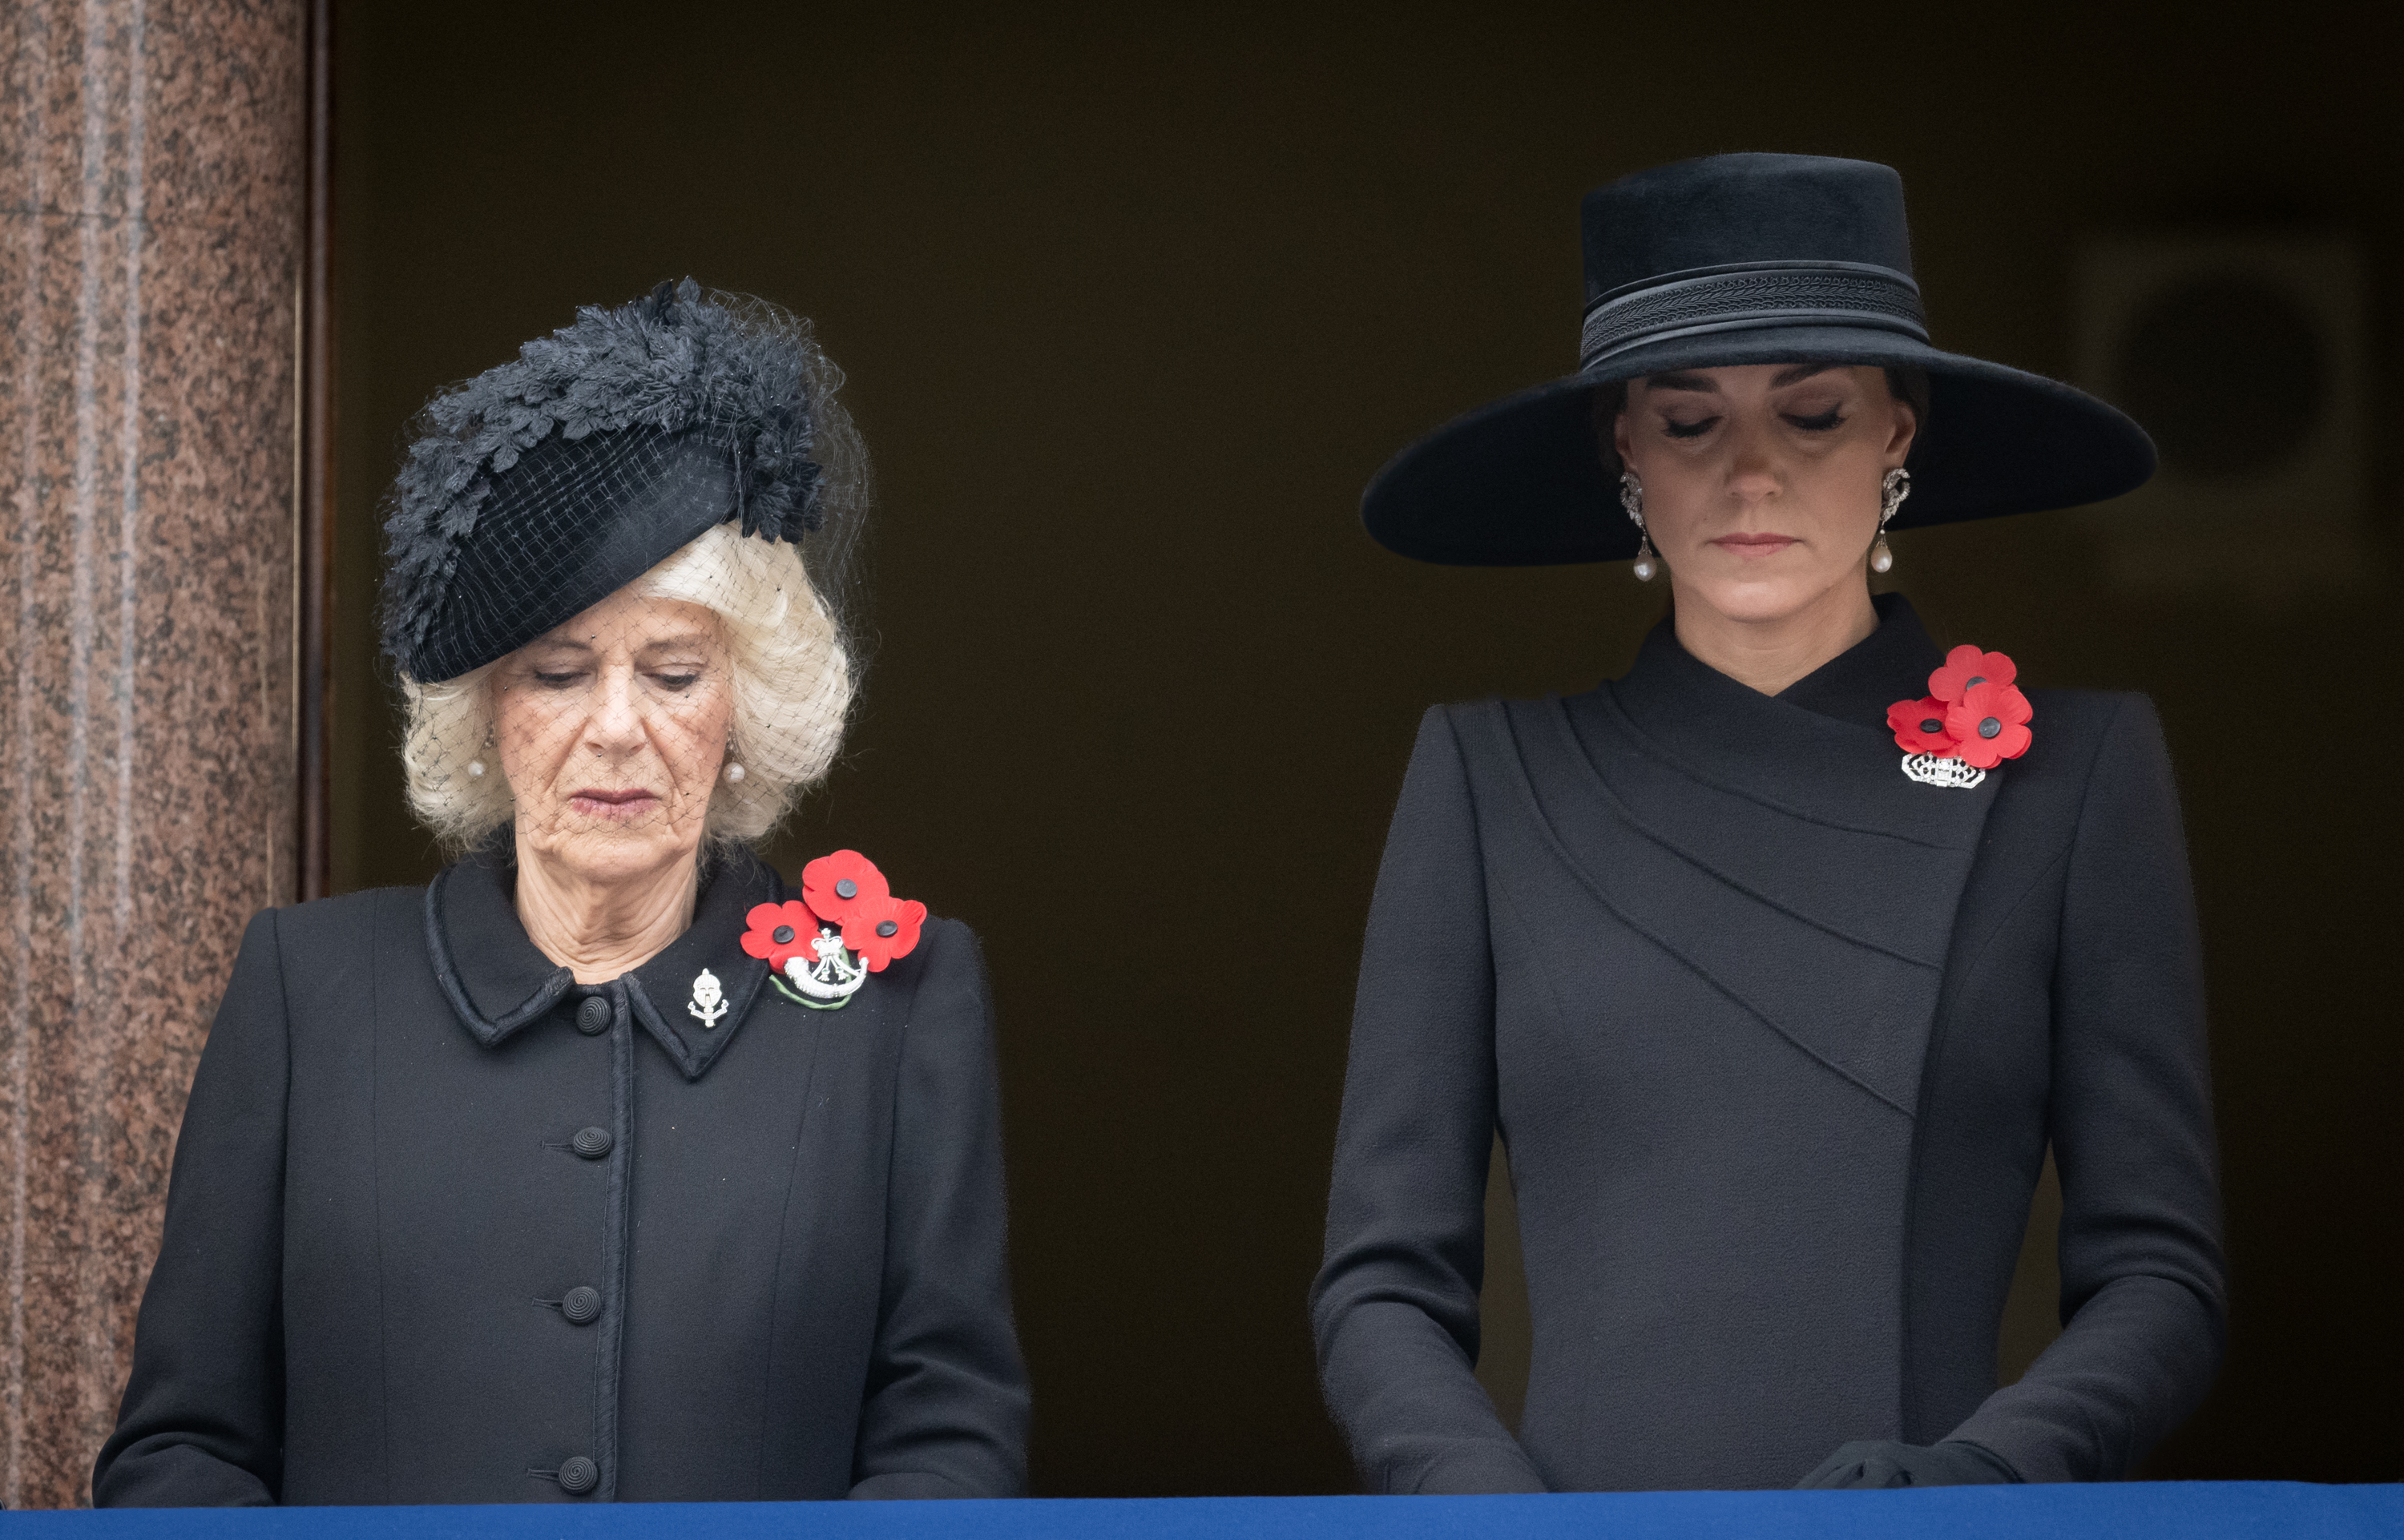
x=476, y=767
x=1891, y=492
x=733, y=771
x=1632, y=497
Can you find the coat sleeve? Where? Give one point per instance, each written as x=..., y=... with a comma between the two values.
x=2144, y=1289
x=1394, y=1308
x=202, y=1424
x=946, y=1405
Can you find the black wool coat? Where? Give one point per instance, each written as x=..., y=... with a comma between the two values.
x=443, y=1223
x=1776, y=1038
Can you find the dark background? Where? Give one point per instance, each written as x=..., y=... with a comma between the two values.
x=1133, y=307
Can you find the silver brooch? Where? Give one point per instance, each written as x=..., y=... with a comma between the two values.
x=709, y=1002
x=1929, y=770
x=830, y=975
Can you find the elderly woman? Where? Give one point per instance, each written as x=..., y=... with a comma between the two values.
x=1775, y=1022
x=605, y=1166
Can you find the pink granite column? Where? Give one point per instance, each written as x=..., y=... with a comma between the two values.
x=150, y=226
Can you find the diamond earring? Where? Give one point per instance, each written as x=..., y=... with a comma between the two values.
x=1632, y=497
x=1891, y=492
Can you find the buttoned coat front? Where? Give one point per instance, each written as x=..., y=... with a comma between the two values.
x=443, y=1221
x=1777, y=1039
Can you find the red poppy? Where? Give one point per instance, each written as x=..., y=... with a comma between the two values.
x=1989, y=725
x=1920, y=726
x=883, y=929
x=1965, y=667
x=835, y=886
x=780, y=932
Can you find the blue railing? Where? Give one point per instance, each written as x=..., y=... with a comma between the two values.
x=2214, y=1510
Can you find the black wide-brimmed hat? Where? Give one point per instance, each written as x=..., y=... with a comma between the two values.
x=1743, y=259
x=544, y=484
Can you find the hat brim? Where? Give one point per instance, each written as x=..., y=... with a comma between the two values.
x=1520, y=482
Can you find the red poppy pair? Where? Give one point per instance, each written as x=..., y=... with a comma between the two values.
x=845, y=891
x=1973, y=712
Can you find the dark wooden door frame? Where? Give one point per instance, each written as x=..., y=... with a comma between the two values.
x=314, y=686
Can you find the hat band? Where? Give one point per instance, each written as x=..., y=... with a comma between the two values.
x=1754, y=295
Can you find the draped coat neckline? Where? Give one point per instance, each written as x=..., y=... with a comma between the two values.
x=1820, y=748
x=1781, y=852
x=498, y=980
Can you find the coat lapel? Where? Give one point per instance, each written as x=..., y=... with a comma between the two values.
x=662, y=991
x=1773, y=847
x=498, y=980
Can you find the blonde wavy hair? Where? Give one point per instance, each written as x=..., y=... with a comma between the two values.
x=792, y=687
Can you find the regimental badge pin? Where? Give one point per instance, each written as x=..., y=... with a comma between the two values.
x=709, y=1002
x=828, y=974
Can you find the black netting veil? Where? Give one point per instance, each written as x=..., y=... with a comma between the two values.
x=615, y=581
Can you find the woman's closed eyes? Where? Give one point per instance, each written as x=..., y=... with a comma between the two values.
x=1820, y=422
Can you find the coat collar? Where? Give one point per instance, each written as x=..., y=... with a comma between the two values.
x=1891, y=663
x=1856, y=686
x=1820, y=750
x=497, y=981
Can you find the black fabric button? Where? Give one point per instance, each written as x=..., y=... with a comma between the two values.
x=847, y=888
x=578, y=1476
x=582, y=1304
x=592, y=1143
x=593, y=1017
x=886, y=928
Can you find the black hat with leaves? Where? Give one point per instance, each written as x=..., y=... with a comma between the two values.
x=541, y=486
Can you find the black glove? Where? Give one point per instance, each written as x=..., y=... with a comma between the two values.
x=1878, y=1463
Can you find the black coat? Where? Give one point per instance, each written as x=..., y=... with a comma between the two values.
x=412, y=1137
x=1776, y=1038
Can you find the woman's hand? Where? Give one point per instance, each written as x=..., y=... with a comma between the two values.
x=1880, y=1462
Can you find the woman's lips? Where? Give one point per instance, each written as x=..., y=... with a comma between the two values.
x=617, y=805
x=1754, y=545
